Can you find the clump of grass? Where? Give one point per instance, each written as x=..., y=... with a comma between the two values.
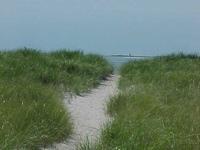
x=32, y=115
x=31, y=91
x=158, y=107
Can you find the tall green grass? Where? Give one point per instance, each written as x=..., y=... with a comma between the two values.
x=158, y=106
x=31, y=92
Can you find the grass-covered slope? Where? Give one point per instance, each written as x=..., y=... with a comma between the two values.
x=158, y=107
x=31, y=91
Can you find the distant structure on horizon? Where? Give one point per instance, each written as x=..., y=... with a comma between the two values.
x=129, y=55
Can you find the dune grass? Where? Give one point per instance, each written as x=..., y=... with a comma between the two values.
x=31, y=92
x=158, y=106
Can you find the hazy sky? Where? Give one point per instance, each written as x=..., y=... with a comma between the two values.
x=146, y=27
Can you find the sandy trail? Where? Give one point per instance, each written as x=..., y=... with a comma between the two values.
x=88, y=114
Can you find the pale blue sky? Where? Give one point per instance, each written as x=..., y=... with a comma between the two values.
x=143, y=27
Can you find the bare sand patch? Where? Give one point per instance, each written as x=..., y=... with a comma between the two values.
x=88, y=113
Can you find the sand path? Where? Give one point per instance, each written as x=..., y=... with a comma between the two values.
x=88, y=114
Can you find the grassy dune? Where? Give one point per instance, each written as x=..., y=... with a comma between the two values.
x=31, y=91
x=158, y=107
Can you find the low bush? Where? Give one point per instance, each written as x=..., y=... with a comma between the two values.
x=31, y=92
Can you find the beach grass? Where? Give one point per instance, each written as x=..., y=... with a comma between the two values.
x=32, y=86
x=158, y=106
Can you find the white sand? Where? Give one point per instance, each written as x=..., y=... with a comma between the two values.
x=88, y=114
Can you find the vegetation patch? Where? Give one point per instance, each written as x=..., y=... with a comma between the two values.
x=31, y=92
x=158, y=106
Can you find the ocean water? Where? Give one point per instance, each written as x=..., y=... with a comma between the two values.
x=117, y=62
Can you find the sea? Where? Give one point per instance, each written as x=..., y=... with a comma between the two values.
x=117, y=62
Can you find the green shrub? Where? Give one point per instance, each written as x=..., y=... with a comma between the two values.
x=158, y=107
x=31, y=92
